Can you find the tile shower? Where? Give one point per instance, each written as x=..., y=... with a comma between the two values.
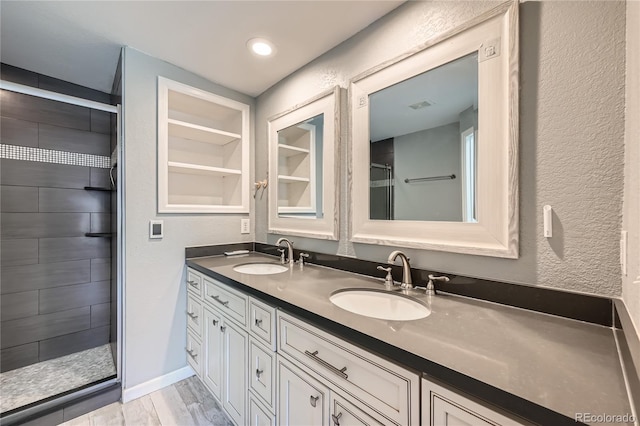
x=56, y=285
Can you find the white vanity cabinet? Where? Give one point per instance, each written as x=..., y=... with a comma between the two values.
x=377, y=389
x=226, y=347
x=267, y=367
x=231, y=347
x=443, y=407
x=203, y=151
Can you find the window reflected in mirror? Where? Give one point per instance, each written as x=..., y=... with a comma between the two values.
x=300, y=169
x=423, y=135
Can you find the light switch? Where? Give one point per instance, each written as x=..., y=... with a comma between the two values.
x=156, y=229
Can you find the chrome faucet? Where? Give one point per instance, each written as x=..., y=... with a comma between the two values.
x=289, y=249
x=406, y=268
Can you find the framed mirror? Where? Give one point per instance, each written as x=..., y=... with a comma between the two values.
x=303, y=178
x=434, y=143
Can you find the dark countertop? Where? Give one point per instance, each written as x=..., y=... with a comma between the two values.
x=532, y=364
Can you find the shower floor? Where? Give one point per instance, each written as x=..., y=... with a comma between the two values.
x=35, y=382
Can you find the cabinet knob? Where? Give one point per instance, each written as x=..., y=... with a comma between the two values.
x=336, y=419
x=193, y=283
x=192, y=315
x=313, y=400
x=215, y=322
x=259, y=372
x=258, y=321
x=223, y=328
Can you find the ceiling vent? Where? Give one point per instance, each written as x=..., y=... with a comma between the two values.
x=421, y=105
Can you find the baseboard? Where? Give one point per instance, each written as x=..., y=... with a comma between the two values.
x=129, y=394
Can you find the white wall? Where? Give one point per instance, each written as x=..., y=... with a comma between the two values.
x=154, y=297
x=431, y=152
x=631, y=213
x=571, y=137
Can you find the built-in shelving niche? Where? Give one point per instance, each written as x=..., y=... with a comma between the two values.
x=203, y=151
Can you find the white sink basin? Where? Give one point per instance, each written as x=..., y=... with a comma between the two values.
x=380, y=304
x=260, y=268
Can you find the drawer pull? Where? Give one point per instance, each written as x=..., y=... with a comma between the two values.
x=339, y=371
x=215, y=322
x=313, y=400
x=259, y=372
x=217, y=299
x=192, y=315
x=193, y=283
x=191, y=353
x=258, y=322
x=336, y=419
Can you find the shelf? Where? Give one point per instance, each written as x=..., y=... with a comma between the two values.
x=195, y=169
x=97, y=188
x=195, y=132
x=99, y=234
x=299, y=210
x=289, y=150
x=292, y=179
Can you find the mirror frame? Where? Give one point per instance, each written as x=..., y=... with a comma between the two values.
x=496, y=231
x=327, y=103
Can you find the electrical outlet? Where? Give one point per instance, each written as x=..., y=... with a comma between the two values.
x=245, y=226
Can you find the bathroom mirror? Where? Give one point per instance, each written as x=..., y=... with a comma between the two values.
x=303, y=149
x=423, y=149
x=434, y=143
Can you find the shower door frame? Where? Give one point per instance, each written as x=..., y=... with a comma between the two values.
x=49, y=405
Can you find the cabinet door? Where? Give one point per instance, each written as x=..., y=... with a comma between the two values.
x=443, y=407
x=302, y=399
x=234, y=396
x=194, y=353
x=345, y=412
x=258, y=415
x=212, y=363
x=262, y=373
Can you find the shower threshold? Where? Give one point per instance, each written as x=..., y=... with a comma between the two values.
x=46, y=379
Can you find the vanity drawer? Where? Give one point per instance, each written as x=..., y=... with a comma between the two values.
x=194, y=315
x=262, y=322
x=262, y=367
x=390, y=389
x=194, y=352
x=226, y=300
x=194, y=282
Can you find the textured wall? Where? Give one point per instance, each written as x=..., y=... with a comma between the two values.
x=631, y=213
x=571, y=136
x=155, y=299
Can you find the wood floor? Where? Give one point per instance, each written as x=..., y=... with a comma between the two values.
x=185, y=403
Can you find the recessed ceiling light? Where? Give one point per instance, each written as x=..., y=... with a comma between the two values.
x=261, y=47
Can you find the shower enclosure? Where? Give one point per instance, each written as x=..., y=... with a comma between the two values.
x=59, y=219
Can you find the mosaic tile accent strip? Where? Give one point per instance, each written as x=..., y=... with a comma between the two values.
x=25, y=153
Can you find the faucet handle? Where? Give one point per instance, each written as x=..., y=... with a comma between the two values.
x=281, y=255
x=431, y=288
x=302, y=257
x=388, y=280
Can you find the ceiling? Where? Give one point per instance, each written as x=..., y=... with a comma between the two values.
x=448, y=90
x=79, y=41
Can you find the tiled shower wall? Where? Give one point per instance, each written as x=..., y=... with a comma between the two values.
x=55, y=281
